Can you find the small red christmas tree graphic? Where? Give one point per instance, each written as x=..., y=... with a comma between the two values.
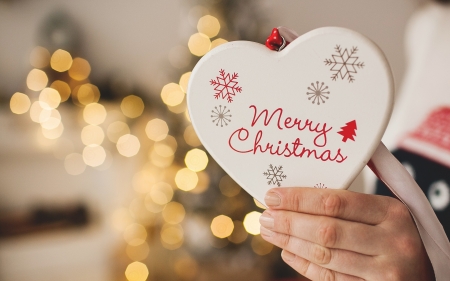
x=348, y=131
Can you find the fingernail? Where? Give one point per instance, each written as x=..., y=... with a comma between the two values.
x=272, y=199
x=266, y=232
x=287, y=256
x=266, y=220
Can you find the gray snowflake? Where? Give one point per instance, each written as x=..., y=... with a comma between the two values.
x=344, y=64
x=221, y=116
x=275, y=175
x=317, y=93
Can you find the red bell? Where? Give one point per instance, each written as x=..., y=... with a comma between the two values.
x=275, y=41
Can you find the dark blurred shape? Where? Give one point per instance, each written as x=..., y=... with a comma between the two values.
x=43, y=218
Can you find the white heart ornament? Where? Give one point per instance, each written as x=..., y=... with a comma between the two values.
x=309, y=116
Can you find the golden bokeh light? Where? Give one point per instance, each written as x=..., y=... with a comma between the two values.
x=63, y=89
x=180, y=108
x=107, y=163
x=135, y=234
x=187, y=116
x=19, y=103
x=151, y=205
x=136, y=271
x=218, y=42
x=208, y=25
x=94, y=155
x=50, y=98
x=172, y=236
x=80, y=69
x=120, y=219
x=143, y=181
x=172, y=94
x=186, y=267
x=251, y=223
x=199, y=44
x=196, y=160
x=38, y=113
x=61, y=60
x=139, y=252
x=92, y=134
x=132, y=106
x=116, y=130
x=157, y=129
x=53, y=133
x=39, y=57
x=94, y=114
x=37, y=80
x=161, y=193
x=203, y=183
x=222, y=226
x=190, y=136
x=228, y=186
x=259, y=204
x=128, y=145
x=184, y=81
x=160, y=161
x=173, y=213
x=163, y=149
x=261, y=246
x=186, y=179
x=74, y=164
x=87, y=94
x=50, y=121
x=239, y=234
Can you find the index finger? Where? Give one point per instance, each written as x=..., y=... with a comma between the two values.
x=343, y=204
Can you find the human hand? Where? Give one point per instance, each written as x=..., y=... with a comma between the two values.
x=339, y=235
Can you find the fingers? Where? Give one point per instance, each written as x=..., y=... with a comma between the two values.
x=325, y=231
x=313, y=271
x=343, y=204
x=334, y=259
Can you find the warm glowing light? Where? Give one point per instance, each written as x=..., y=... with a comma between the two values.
x=63, y=89
x=186, y=179
x=94, y=155
x=132, y=106
x=163, y=149
x=61, y=60
x=179, y=57
x=199, y=44
x=184, y=80
x=161, y=193
x=160, y=161
x=50, y=98
x=251, y=222
x=94, y=114
x=87, y=94
x=191, y=137
x=80, y=69
x=107, y=163
x=143, y=181
x=222, y=226
x=53, y=133
x=259, y=204
x=121, y=218
x=152, y=206
x=36, y=110
x=239, y=234
x=172, y=236
x=74, y=164
x=187, y=116
x=37, y=80
x=128, y=145
x=218, y=42
x=157, y=129
x=229, y=187
x=261, y=246
x=174, y=213
x=172, y=94
x=196, y=160
x=39, y=57
x=203, y=183
x=50, y=119
x=138, y=253
x=136, y=271
x=92, y=134
x=209, y=26
x=19, y=103
x=178, y=108
x=116, y=130
x=135, y=234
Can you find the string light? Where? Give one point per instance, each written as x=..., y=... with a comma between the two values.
x=161, y=193
x=172, y=236
x=199, y=44
x=61, y=60
x=209, y=26
x=50, y=121
x=135, y=234
x=49, y=98
x=196, y=160
x=132, y=106
x=139, y=252
x=94, y=155
x=63, y=89
x=218, y=42
x=222, y=226
x=92, y=134
x=39, y=57
x=94, y=114
x=172, y=94
x=86, y=94
x=128, y=145
x=19, y=103
x=53, y=133
x=174, y=213
x=116, y=130
x=157, y=129
x=37, y=80
x=136, y=271
x=184, y=80
x=80, y=69
x=251, y=222
x=186, y=179
x=191, y=137
x=143, y=181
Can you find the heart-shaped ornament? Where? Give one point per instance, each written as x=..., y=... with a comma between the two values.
x=309, y=116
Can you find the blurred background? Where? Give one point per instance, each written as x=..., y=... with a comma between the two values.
x=101, y=174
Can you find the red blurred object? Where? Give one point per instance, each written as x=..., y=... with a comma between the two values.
x=275, y=41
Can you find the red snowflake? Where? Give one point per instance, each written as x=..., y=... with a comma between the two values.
x=226, y=85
